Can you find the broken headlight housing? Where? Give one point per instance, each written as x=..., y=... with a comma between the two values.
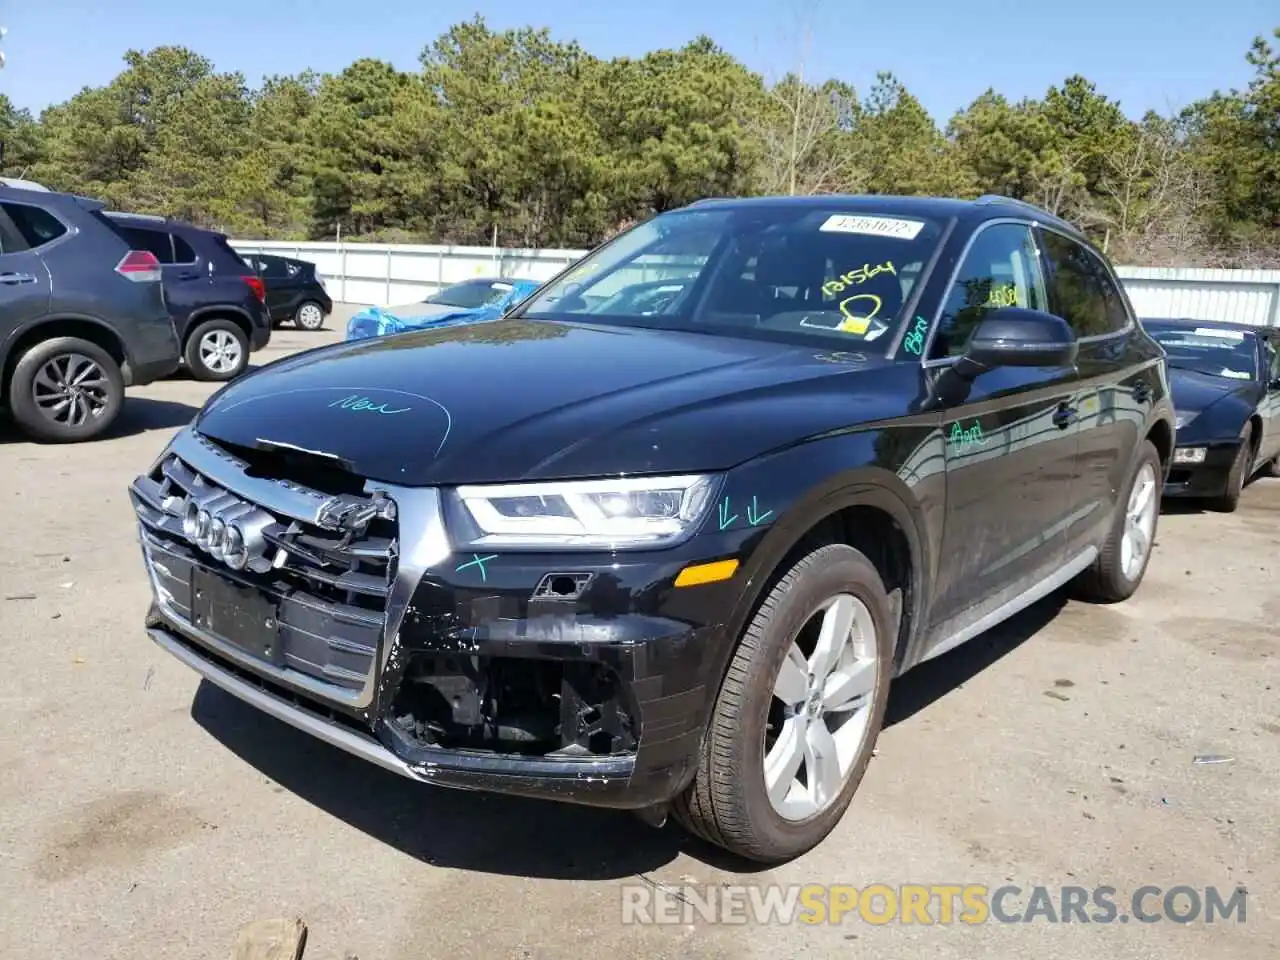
x=586, y=514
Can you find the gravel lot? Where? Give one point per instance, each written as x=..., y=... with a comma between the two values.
x=145, y=816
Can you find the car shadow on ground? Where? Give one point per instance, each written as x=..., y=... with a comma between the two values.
x=931, y=681
x=139, y=415
x=490, y=833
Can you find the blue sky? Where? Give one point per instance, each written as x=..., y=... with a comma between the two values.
x=1157, y=54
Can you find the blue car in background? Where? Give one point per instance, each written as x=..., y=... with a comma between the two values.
x=484, y=298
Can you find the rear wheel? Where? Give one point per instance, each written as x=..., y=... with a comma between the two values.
x=796, y=720
x=1238, y=476
x=308, y=316
x=1121, y=564
x=217, y=350
x=65, y=390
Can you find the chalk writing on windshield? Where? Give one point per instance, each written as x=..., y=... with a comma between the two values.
x=859, y=275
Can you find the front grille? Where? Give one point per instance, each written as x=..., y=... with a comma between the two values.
x=325, y=584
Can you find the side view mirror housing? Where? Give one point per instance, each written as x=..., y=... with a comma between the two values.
x=1018, y=337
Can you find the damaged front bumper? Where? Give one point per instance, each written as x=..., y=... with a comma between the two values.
x=584, y=678
x=656, y=766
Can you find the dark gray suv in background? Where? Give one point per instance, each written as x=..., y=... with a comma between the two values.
x=82, y=315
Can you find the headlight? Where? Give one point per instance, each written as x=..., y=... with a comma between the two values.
x=1184, y=417
x=592, y=514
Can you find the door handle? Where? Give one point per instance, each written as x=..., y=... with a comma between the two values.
x=1142, y=392
x=188, y=275
x=15, y=278
x=1064, y=416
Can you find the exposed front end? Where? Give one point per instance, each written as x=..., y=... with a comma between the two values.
x=341, y=606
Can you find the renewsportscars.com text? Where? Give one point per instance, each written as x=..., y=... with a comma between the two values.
x=929, y=904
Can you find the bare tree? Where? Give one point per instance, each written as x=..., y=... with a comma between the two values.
x=798, y=129
x=1151, y=198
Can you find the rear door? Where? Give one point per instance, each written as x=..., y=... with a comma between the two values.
x=25, y=284
x=1009, y=458
x=1118, y=380
x=282, y=285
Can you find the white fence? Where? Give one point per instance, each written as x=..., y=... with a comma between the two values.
x=388, y=273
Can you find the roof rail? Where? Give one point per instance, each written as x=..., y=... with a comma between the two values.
x=1000, y=198
x=155, y=218
x=18, y=183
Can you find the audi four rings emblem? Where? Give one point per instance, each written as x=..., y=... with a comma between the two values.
x=228, y=529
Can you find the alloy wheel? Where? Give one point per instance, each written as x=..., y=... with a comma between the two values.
x=310, y=317
x=71, y=389
x=1139, y=522
x=820, y=714
x=220, y=351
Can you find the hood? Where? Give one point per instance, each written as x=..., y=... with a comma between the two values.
x=517, y=399
x=1194, y=391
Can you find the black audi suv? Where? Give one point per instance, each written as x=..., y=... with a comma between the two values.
x=661, y=536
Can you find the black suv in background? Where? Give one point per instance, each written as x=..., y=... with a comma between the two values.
x=764, y=456
x=82, y=315
x=294, y=291
x=217, y=302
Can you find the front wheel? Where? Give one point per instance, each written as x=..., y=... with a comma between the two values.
x=1122, y=562
x=797, y=717
x=1238, y=476
x=217, y=350
x=308, y=316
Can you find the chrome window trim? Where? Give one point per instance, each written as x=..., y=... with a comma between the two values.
x=1033, y=226
x=955, y=273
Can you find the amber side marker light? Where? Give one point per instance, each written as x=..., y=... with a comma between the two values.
x=701, y=573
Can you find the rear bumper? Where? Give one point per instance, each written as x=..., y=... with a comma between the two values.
x=260, y=335
x=1205, y=479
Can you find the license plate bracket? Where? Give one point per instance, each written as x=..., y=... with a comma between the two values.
x=237, y=614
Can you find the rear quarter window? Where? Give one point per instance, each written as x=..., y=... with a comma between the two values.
x=225, y=255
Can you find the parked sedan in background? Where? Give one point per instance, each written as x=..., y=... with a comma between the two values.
x=1225, y=380
x=484, y=298
x=295, y=292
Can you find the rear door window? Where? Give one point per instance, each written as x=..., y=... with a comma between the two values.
x=35, y=225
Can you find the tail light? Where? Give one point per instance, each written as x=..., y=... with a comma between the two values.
x=140, y=266
x=258, y=287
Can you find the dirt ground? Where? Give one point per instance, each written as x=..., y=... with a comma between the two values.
x=143, y=815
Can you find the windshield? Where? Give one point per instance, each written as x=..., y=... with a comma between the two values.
x=1217, y=351
x=794, y=273
x=471, y=294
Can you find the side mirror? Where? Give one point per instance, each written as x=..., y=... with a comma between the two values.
x=1017, y=337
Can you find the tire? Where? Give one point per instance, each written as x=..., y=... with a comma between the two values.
x=1113, y=576
x=33, y=394
x=216, y=350
x=309, y=316
x=1239, y=474
x=728, y=802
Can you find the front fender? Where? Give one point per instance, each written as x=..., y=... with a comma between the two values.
x=768, y=505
